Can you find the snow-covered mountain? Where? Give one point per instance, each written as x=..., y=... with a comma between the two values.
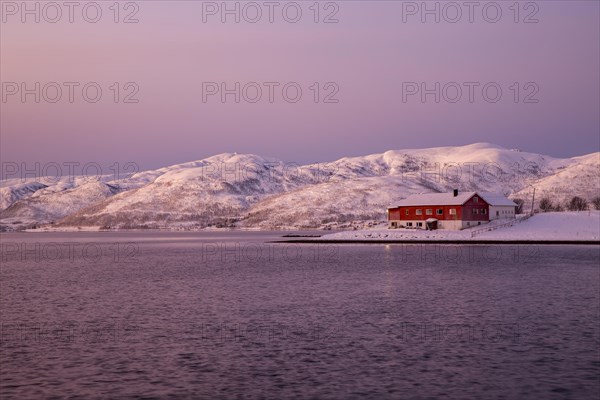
x=241, y=190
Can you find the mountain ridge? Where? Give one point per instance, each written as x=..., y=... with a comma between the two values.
x=250, y=191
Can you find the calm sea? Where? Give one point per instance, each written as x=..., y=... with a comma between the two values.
x=231, y=315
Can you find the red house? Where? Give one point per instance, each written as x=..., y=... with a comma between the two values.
x=440, y=210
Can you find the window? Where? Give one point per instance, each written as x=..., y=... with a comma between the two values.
x=429, y=211
x=419, y=212
x=453, y=211
x=497, y=213
x=476, y=199
x=475, y=211
x=407, y=211
x=409, y=224
x=484, y=211
x=419, y=224
x=439, y=211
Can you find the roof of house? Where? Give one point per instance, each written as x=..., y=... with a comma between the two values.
x=436, y=199
x=448, y=199
x=496, y=199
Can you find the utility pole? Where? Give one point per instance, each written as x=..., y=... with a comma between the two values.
x=532, y=200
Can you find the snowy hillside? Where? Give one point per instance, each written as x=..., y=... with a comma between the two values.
x=215, y=191
x=241, y=190
x=52, y=205
x=581, y=177
x=18, y=191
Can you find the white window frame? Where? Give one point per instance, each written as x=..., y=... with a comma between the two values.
x=429, y=211
x=419, y=211
x=453, y=211
x=439, y=211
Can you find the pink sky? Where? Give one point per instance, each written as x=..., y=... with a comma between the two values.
x=368, y=54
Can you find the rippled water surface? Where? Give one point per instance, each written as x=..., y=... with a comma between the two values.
x=230, y=315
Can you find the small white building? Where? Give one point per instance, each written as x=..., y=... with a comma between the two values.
x=500, y=206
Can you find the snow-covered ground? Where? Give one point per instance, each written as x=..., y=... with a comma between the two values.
x=576, y=226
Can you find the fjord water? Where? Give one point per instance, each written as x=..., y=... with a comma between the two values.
x=231, y=315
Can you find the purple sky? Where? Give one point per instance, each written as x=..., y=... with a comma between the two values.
x=368, y=54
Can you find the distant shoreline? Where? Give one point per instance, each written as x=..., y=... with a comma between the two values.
x=453, y=241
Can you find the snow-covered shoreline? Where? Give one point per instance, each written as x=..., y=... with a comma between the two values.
x=554, y=226
x=571, y=226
